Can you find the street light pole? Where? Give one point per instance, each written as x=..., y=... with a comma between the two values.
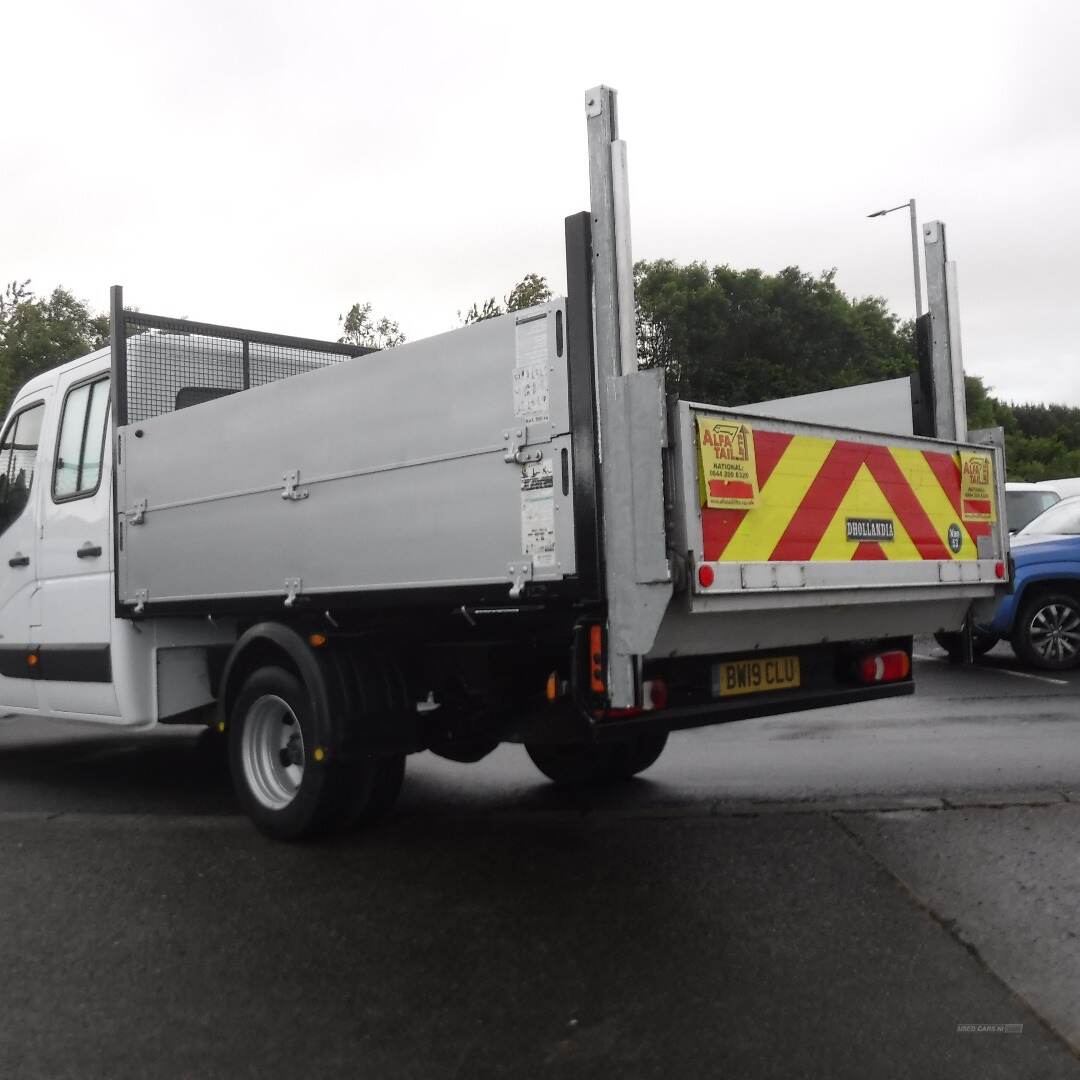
x=910, y=204
x=915, y=258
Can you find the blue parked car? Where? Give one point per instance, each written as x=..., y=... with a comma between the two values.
x=1041, y=616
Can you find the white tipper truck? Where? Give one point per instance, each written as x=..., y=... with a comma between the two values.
x=507, y=532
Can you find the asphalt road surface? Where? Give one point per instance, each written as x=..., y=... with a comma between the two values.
x=831, y=894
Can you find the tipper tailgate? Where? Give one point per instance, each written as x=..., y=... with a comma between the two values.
x=772, y=506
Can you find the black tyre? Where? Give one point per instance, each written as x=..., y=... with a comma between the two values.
x=385, y=788
x=585, y=764
x=1046, y=633
x=379, y=689
x=982, y=643
x=573, y=764
x=287, y=775
x=636, y=755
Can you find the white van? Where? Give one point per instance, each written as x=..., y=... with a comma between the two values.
x=1066, y=486
x=1025, y=502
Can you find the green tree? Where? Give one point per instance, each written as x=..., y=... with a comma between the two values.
x=360, y=328
x=733, y=337
x=1042, y=442
x=531, y=290
x=38, y=334
x=479, y=312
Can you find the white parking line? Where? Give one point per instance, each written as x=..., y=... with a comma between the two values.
x=1000, y=671
x=1028, y=675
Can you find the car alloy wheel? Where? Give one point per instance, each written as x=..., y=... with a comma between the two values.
x=1054, y=633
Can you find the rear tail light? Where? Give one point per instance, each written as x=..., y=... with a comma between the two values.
x=885, y=667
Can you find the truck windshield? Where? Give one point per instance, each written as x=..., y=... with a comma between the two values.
x=1062, y=519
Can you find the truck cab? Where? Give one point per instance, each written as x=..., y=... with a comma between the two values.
x=63, y=652
x=56, y=610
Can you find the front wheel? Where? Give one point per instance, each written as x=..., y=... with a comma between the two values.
x=1047, y=631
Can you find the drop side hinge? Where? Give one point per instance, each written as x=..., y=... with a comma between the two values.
x=516, y=441
x=293, y=588
x=520, y=574
x=291, y=489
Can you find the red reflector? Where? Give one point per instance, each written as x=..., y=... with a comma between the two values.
x=706, y=576
x=999, y=569
x=885, y=667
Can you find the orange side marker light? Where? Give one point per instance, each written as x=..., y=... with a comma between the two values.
x=596, y=659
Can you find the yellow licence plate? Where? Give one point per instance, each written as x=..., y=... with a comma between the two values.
x=732, y=677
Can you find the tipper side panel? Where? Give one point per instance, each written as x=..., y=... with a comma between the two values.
x=441, y=463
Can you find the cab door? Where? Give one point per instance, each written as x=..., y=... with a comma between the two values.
x=19, y=499
x=75, y=554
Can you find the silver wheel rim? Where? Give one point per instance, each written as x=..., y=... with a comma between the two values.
x=1054, y=632
x=272, y=752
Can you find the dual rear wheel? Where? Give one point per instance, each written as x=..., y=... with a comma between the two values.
x=294, y=780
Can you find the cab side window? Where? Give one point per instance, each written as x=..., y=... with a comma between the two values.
x=81, y=446
x=18, y=456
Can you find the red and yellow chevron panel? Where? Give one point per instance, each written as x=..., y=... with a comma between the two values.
x=835, y=500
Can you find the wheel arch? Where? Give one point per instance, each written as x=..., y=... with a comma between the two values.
x=263, y=645
x=338, y=677
x=1049, y=577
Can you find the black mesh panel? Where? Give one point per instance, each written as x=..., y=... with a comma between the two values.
x=174, y=364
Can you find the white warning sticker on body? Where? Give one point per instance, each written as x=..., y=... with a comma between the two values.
x=531, y=386
x=538, y=514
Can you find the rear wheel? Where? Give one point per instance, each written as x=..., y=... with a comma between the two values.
x=572, y=765
x=1047, y=631
x=288, y=776
x=952, y=642
x=585, y=764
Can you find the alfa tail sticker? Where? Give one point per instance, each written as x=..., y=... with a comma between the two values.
x=727, y=467
x=977, y=486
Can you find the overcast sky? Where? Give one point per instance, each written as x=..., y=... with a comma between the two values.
x=265, y=164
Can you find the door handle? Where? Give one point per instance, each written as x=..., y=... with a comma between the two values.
x=19, y=560
x=89, y=551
